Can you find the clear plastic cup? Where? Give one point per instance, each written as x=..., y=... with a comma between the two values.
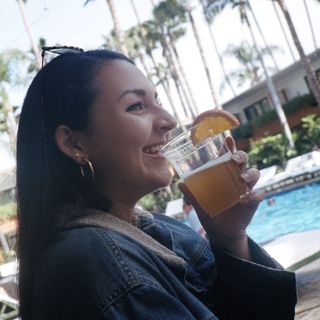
x=207, y=169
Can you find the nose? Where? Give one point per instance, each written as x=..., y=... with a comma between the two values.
x=164, y=121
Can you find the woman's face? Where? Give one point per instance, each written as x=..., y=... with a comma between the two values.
x=127, y=128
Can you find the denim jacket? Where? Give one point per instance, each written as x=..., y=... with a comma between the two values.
x=91, y=272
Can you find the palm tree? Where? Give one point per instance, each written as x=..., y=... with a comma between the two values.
x=283, y=31
x=218, y=6
x=250, y=66
x=9, y=77
x=134, y=42
x=203, y=57
x=175, y=9
x=209, y=21
x=118, y=31
x=138, y=43
x=312, y=80
x=33, y=66
x=173, y=37
x=169, y=15
x=34, y=47
x=262, y=34
x=310, y=24
x=145, y=37
x=150, y=38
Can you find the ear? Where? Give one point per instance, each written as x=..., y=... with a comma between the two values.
x=70, y=144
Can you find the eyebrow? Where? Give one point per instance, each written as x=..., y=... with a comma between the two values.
x=138, y=92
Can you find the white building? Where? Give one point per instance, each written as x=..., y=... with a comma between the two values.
x=289, y=83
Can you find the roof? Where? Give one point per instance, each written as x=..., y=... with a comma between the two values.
x=282, y=73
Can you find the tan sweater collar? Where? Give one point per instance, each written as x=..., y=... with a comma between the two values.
x=106, y=220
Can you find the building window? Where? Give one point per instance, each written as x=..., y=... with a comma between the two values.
x=257, y=109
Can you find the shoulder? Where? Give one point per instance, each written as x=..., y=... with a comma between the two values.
x=83, y=267
x=186, y=243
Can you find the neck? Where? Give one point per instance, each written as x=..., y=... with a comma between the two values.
x=122, y=211
x=123, y=200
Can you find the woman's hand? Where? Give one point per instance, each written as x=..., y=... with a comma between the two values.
x=227, y=230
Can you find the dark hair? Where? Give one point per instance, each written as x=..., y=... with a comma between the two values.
x=61, y=93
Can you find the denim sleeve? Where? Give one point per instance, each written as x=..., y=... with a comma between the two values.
x=257, y=289
x=150, y=302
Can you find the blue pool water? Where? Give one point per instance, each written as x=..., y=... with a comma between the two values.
x=293, y=211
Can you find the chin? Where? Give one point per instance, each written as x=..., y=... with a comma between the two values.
x=161, y=180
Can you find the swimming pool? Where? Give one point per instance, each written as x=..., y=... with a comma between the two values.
x=293, y=211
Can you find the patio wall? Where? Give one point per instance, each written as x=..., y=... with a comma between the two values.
x=274, y=127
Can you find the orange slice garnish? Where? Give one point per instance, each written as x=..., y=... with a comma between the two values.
x=211, y=123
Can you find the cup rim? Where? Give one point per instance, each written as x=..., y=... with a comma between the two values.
x=182, y=134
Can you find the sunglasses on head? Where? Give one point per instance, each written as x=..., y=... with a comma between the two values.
x=58, y=50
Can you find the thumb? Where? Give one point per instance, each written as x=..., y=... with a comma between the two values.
x=231, y=144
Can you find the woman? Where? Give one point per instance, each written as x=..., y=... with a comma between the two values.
x=88, y=149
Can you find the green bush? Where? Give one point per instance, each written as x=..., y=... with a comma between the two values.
x=244, y=131
x=307, y=100
x=269, y=151
x=265, y=119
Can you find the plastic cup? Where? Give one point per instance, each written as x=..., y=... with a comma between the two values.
x=208, y=170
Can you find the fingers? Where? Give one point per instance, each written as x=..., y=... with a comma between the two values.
x=231, y=144
x=251, y=177
x=241, y=159
x=252, y=198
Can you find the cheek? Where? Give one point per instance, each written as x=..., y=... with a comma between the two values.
x=159, y=173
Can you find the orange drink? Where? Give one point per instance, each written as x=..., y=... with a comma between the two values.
x=203, y=160
x=216, y=185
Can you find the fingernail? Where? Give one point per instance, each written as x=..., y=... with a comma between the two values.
x=246, y=176
x=246, y=195
x=236, y=157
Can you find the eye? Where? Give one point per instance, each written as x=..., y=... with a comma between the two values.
x=138, y=106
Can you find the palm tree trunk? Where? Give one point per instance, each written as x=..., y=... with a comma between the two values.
x=178, y=85
x=310, y=24
x=272, y=91
x=192, y=108
x=135, y=12
x=312, y=80
x=262, y=35
x=117, y=29
x=283, y=31
x=221, y=60
x=31, y=38
x=204, y=60
x=141, y=56
x=215, y=46
x=144, y=66
x=10, y=121
x=173, y=69
x=167, y=91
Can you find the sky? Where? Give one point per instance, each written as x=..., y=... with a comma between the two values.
x=68, y=22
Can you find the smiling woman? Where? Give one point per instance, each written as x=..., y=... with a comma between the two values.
x=88, y=146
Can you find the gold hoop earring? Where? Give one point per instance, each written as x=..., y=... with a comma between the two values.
x=87, y=170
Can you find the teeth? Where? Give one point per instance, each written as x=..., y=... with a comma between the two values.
x=153, y=149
